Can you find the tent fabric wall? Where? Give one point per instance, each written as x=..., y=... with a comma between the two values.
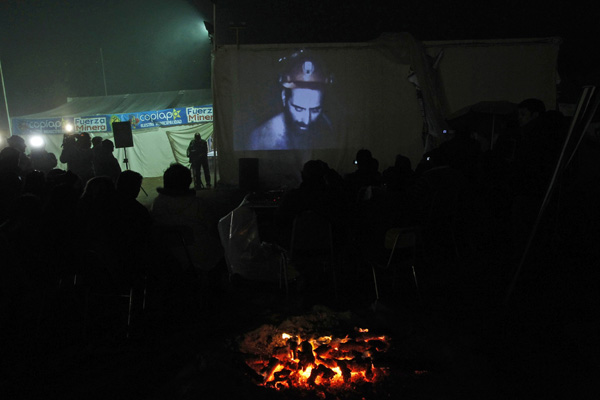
x=389, y=121
x=180, y=139
x=495, y=70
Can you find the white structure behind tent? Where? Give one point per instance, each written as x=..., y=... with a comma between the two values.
x=372, y=103
x=158, y=140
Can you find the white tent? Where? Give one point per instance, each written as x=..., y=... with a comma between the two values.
x=471, y=71
x=381, y=94
x=391, y=96
x=162, y=125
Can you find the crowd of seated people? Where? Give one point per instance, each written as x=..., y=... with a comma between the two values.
x=455, y=187
x=73, y=218
x=57, y=231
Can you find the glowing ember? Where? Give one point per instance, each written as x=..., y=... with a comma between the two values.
x=322, y=362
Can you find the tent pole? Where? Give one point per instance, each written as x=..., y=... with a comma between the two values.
x=214, y=26
x=212, y=73
x=103, y=74
x=493, y=128
x=585, y=98
x=5, y=100
x=215, y=160
x=592, y=90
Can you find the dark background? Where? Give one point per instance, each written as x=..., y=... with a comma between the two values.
x=50, y=50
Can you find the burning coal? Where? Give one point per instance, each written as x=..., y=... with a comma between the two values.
x=321, y=363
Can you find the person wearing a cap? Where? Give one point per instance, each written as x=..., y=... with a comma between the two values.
x=18, y=143
x=302, y=122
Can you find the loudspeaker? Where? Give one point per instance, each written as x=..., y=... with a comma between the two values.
x=122, y=133
x=248, y=173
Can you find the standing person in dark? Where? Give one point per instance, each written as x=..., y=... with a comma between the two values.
x=96, y=149
x=78, y=156
x=18, y=143
x=42, y=160
x=197, y=153
x=536, y=154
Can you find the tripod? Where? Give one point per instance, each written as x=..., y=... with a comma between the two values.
x=126, y=161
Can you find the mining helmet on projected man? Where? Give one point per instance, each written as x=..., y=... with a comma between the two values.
x=303, y=70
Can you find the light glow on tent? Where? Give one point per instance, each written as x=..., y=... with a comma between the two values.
x=69, y=127
x=36, y=141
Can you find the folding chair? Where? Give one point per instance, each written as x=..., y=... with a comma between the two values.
x=404, y=245
x=312, y=241
x=443, y=216
x=247, y=257
x=177, y=239
x=102, y=284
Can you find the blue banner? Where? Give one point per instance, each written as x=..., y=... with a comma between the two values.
x=40, y=126
x=170, y=117
x=103, y=123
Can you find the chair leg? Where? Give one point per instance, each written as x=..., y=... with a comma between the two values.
x=145, y=292
x=417, y=284
x=283, y=274
x=375, y=282
x=334, y=276
x=129, y=312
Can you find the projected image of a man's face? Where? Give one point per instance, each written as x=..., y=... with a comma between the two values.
x=301, y=122
x=302, y=107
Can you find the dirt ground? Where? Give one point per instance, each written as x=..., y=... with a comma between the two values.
x=222, y=198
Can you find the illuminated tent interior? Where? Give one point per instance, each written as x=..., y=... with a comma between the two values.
x=163, y=125
x=372, y=101
x=390, y=95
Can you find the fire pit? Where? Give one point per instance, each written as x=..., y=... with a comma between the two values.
x=304, y=355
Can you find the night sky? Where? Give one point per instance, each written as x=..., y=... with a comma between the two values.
x=50, y=50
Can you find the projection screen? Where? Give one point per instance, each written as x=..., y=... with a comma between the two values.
x=287, y=105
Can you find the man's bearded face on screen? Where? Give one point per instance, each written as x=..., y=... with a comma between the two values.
x=302, y=108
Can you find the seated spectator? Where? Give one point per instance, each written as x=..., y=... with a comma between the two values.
x=97, y=211
x=400, y=176
x=60, y=222
x=133, y=224
x=18, y=233
x=463, y=153
x=132, y=214
x=177, y=205
x=11, y=182
x=35, y=183
x=537, y=147
x=439, y=182
x=367, y=173
x=105, y=162
x=536, y=155
x=314, y=194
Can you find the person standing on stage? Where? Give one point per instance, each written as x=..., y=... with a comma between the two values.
x=197, y=153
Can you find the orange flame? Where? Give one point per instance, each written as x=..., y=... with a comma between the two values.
x=322, y=362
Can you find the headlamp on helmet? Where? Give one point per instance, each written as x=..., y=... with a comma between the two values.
x=303, y=70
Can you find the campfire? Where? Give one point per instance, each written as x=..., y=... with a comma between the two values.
x=320, y=363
